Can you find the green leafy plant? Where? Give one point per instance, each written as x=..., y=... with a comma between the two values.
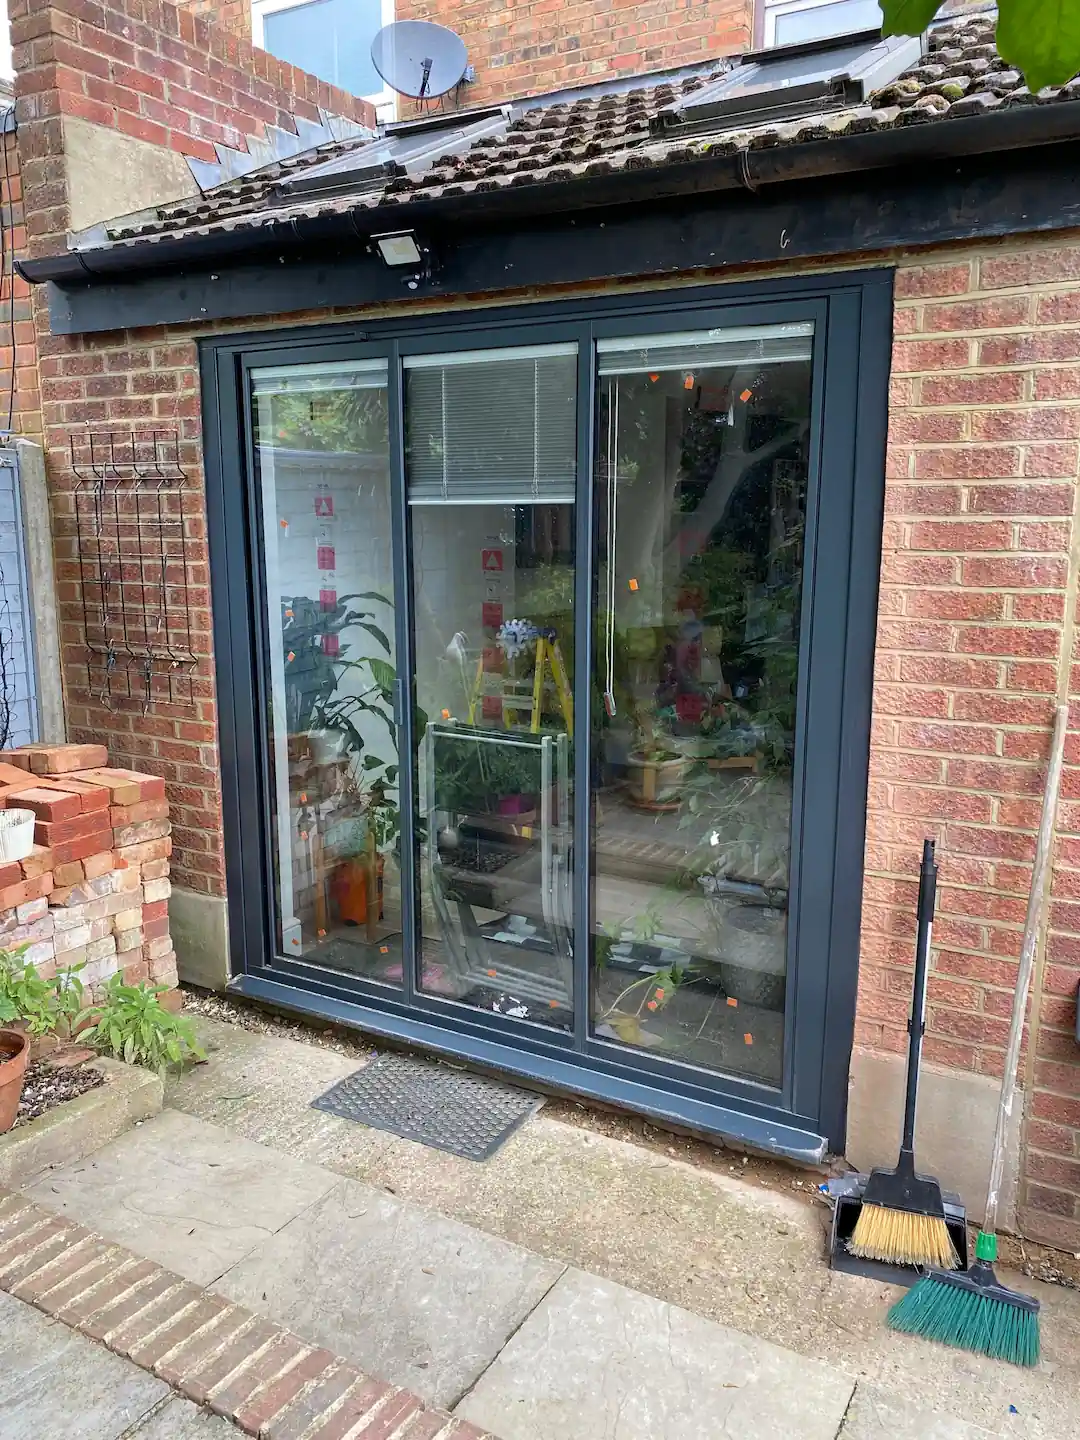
x=1040, y=37
x=24, y=995
x=42, y=1005
x=133, y=1025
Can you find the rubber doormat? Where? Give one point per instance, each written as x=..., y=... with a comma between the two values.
x=447, y=1109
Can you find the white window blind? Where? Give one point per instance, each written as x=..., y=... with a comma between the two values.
x=696, y=349
x=319, y=379
x=492, y=427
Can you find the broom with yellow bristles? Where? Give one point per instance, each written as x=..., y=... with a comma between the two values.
x=902, y=1220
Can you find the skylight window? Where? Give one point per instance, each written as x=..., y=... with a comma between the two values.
x=797, y=79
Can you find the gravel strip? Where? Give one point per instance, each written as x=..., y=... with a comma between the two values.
x=46, y=1086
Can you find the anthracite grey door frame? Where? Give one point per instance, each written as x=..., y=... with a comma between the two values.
x=852, y=312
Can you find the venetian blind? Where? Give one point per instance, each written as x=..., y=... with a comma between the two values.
x=492, y=427
x=696, y=349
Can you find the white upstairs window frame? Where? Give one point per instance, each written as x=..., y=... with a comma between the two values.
x=772, y=10
x=384, y=100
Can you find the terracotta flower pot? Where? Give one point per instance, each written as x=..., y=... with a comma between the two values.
x=14, y=1053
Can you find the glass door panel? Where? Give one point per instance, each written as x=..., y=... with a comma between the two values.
x=491, y=445
x=701, y=495
x=323, y=478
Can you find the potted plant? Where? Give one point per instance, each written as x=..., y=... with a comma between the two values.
x=656, y=771
x=14, y=1054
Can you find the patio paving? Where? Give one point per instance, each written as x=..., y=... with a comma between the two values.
x=404, y=1293
x=600, y=1360
x=192, y=1196
x=702, y=1240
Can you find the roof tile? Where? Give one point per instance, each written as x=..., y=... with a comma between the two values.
x=960, y=74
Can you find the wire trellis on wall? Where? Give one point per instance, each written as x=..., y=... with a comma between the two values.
x=132, y=509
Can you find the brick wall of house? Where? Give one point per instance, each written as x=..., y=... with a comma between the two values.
x=551, y=44
x=144, y=68
x=18, y=353
x=231, y=15
x=975, y=643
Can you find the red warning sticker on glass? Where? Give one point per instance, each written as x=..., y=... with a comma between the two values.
x=331, y=644
x=491, y=707
x=491, y=560
x=324, y=505
x=327, y=599
x=325, y=557
x=492, y=614
x=493, y=660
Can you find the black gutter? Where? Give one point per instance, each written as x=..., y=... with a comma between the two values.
x=914, y=141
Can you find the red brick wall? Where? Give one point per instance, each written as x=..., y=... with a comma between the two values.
x=550, y=44
x=978, y=605
x=231, y=15
x=144, y=68
x=26, y=401
x=525, y=49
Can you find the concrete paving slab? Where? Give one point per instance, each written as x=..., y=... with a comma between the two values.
x=262, y=1086
x=181, y=1420
x=600, y=1360
x=57, y=1385
x=80, y=1126
x=708, y=1241
x=192, y=1196
x=877, y=1414
x=404, y=1293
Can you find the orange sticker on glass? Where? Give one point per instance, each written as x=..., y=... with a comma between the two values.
x=320, y=933
x=688, y=382
x=633, y=584
x=492, y=973
x=384, y=949
x=303, y=797
x=733, y=1002
x=290, y=657
x=654, y=378
x=446, y=714
x=745, y=395
x=748, y=1038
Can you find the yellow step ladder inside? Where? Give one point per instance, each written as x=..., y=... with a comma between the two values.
x=548, y=656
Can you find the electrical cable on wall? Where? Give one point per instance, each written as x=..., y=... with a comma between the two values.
x=7, y=252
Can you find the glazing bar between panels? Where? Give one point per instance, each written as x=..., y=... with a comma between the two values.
x=405, y=684
x=584, y=572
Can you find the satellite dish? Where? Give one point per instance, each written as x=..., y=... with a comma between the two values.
x=418, y=58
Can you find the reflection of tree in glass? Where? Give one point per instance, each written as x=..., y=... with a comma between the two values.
x=347, y=420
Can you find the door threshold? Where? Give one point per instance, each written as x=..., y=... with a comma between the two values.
x=716, y=1122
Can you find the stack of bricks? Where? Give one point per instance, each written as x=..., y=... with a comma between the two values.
x=94, y=891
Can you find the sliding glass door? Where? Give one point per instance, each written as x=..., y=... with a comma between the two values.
x=701, y=483
x=322, y=470
x=491, y=468
x=545, y=644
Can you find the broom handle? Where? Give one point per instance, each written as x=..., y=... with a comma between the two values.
x=1036, y=900
x=917, y=1023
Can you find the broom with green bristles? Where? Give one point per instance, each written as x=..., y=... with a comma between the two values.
x=973, y=1311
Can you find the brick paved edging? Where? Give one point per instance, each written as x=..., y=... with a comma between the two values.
x=265, y=1379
